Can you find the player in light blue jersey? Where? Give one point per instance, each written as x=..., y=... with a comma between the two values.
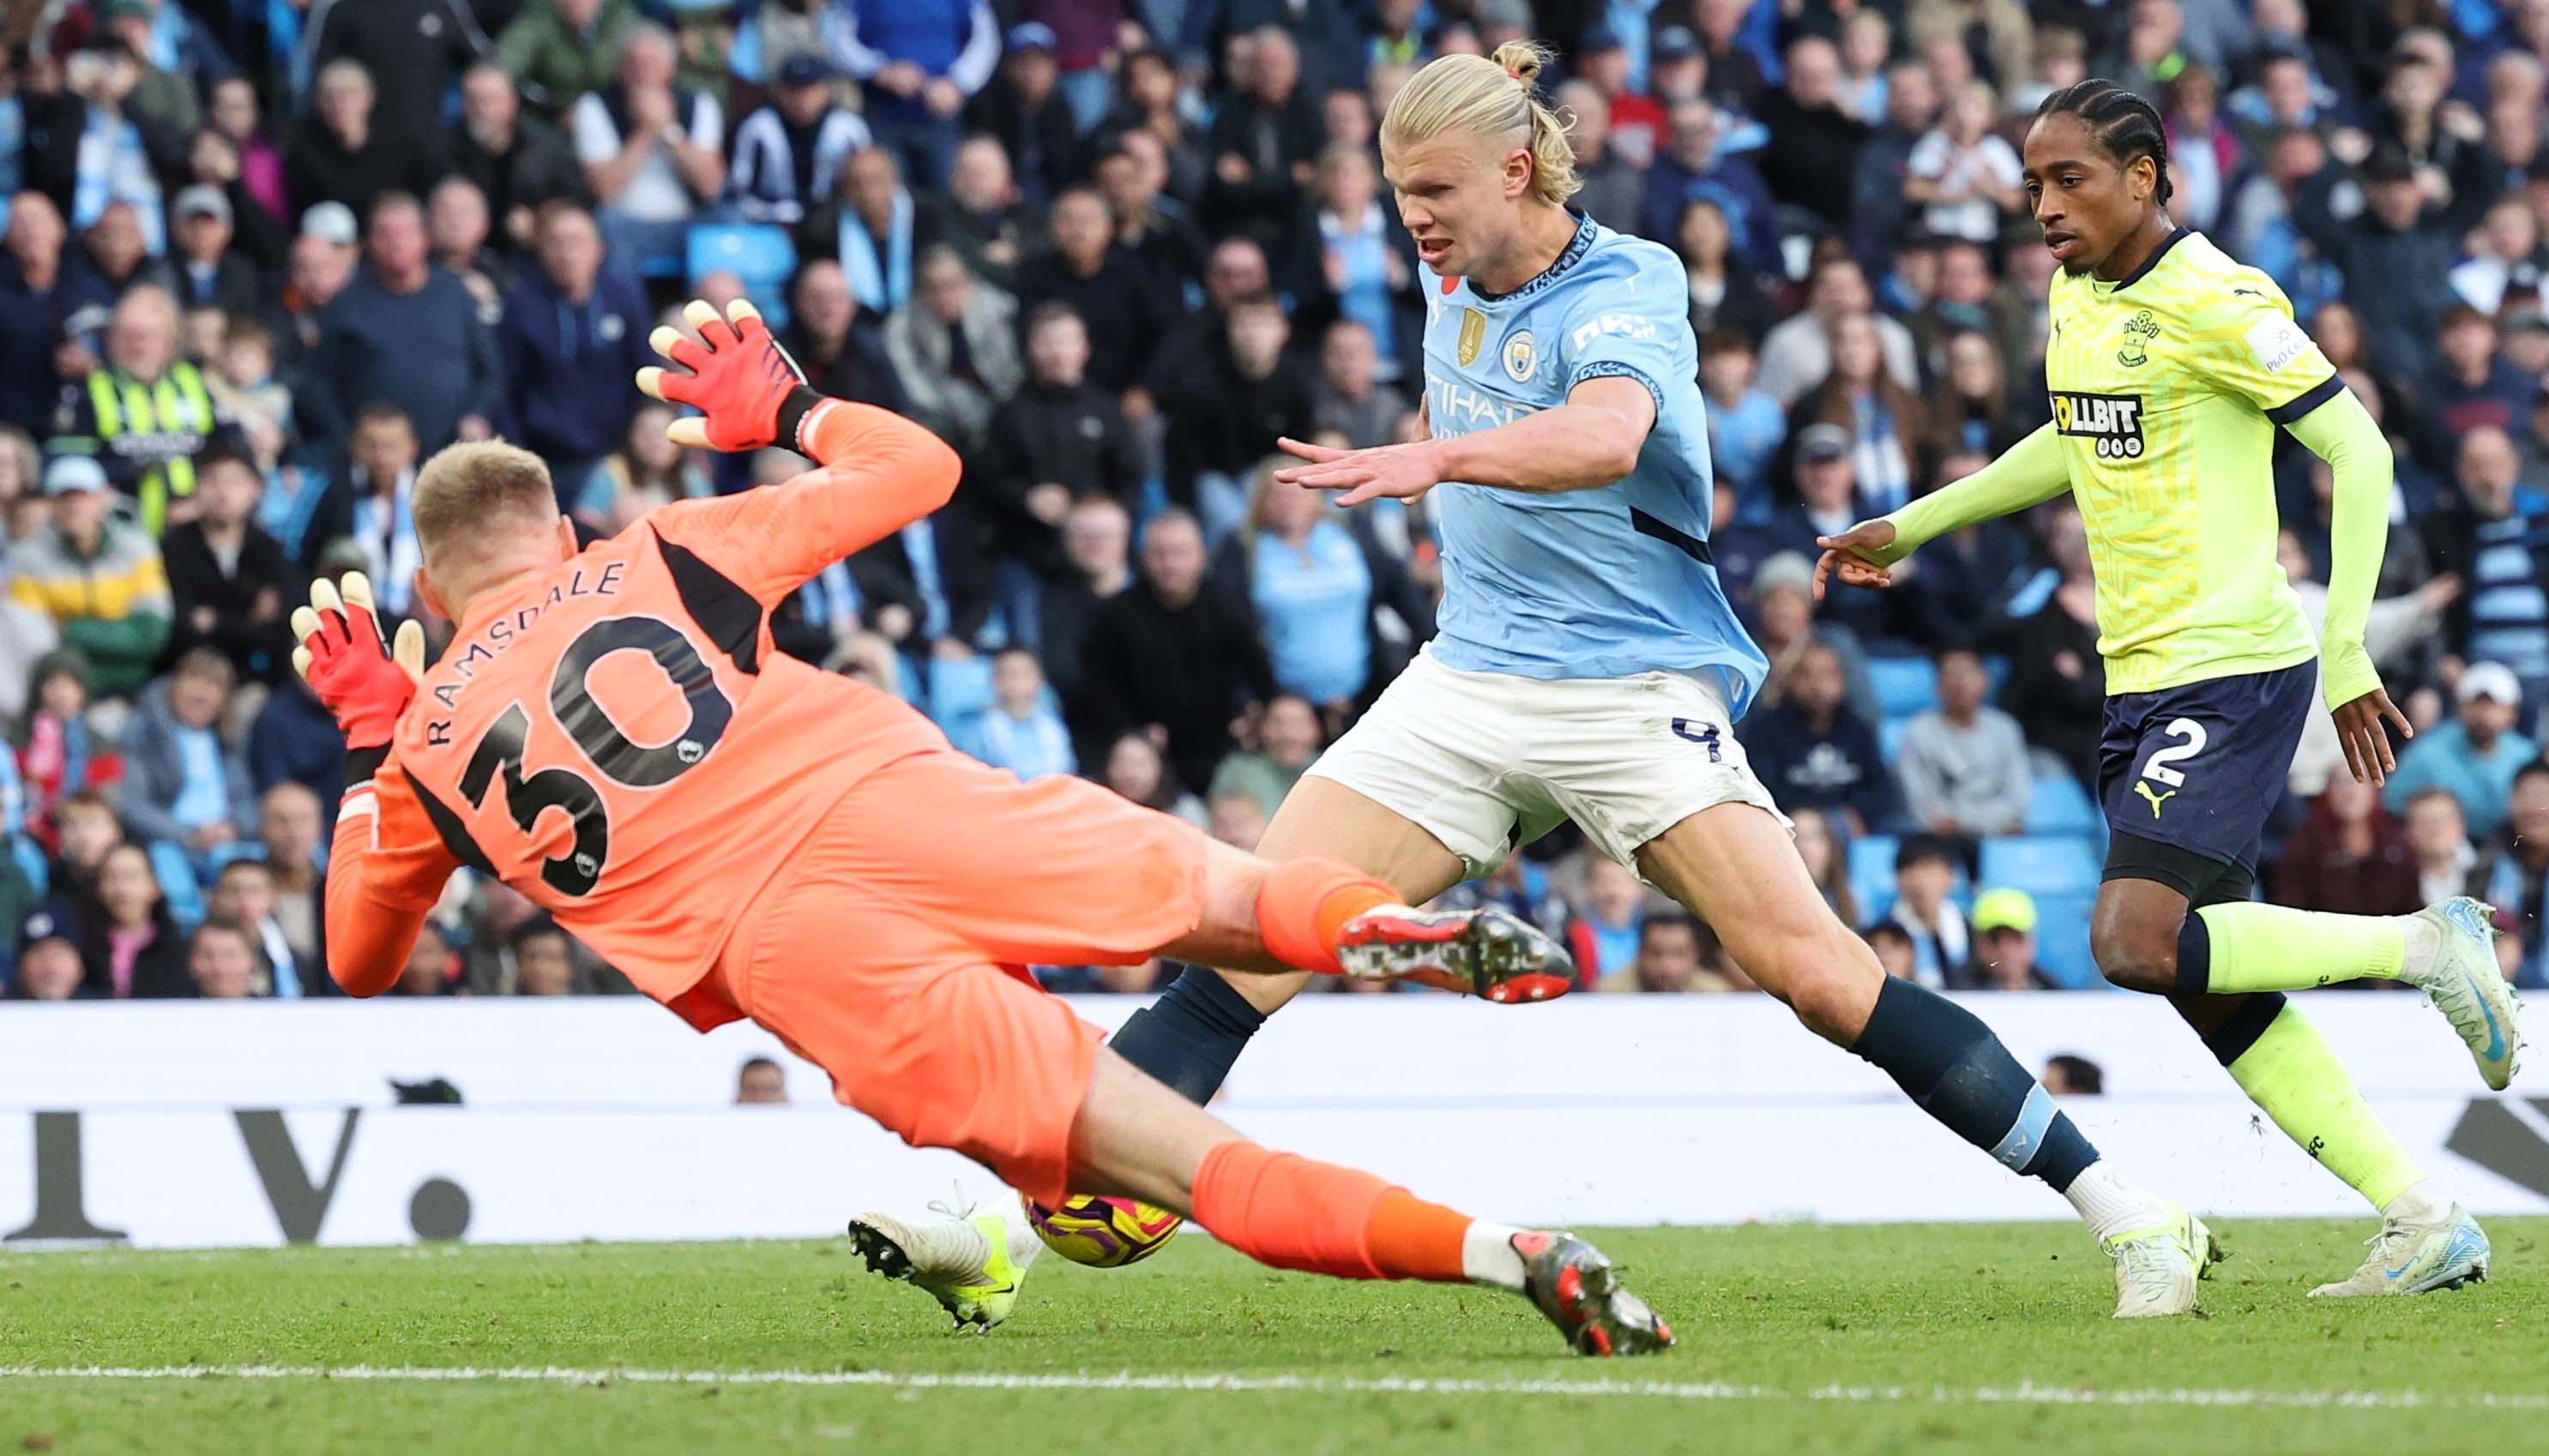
x=1611, y=579
x=1589, y=666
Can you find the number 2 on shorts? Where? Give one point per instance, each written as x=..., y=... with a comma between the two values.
x=2162, y=767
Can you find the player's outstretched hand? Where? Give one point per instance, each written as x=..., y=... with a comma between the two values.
x=2360, y=728
x=363, y=680
x=734, y=373
x=1404, y=472
x=1853, y=554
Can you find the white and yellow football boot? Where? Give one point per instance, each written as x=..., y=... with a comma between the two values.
x=973, y=1265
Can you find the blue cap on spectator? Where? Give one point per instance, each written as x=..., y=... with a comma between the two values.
x=1033, y=35
x=1675, y=42
x=202, y=200
x=1816, y=444
x=804, y=68
x=1597, y=38
x=48, y=921
x=68, y=473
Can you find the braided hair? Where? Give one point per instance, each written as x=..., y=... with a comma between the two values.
x=2125, y=125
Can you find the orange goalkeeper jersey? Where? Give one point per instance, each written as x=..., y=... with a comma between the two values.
x=617, y=739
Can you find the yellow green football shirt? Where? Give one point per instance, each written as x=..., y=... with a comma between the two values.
x=2167, y=388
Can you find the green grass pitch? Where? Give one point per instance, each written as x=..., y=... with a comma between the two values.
x=1796, y=1340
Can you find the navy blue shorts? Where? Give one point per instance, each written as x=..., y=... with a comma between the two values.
x=2189, y=776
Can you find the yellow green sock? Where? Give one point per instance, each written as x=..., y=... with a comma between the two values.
x=2294, y=1075
x=2224, y=950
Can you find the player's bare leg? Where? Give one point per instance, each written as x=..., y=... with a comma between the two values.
x=1734, y=866
x=1323, y=817
x=1136, y=1139
x=1190, y=1037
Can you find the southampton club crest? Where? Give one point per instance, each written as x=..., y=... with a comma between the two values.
x=1521, y=356
x=2139, y=330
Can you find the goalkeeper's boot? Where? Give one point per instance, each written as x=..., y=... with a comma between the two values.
x=2157, y=1268
x=1580, y=1293
x=973, y=1265
x=2467, y=987
x=2416, y=1257
x=1488, y=952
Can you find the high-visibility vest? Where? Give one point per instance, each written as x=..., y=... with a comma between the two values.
x=177, y=405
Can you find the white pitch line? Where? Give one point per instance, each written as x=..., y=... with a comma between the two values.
x=2023, y=1394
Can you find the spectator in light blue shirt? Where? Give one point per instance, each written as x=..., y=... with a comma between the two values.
x=2475, y=756
x=1312, y=591
x=1022, y=732
x=1336, y=613
x=1746, y=426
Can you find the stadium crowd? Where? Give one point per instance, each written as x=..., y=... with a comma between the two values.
x=262, y=258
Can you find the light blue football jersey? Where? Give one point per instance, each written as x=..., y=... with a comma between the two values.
x=1603, y=583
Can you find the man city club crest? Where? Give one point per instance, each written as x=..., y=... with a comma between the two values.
x=2139, y=330
x=1473, y=335
x=1521, y=355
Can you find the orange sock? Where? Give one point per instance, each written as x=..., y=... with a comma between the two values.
x=1304, y=905
x=1411, y=1238
x=1284, y=1210
x=1293, y=1212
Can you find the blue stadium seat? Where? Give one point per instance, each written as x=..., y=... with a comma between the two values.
x=960, y=691
x=178, y=884
x=1871, y=873
x=2041, y=864
x=2060, y=805
x=1904, y=684
x=23, y=848
x=758, y=253
x=1997, y=668
x=1889, y=739
x=2062, y=940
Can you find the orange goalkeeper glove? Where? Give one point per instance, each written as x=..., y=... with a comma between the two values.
x=363, y=680
x=748, y=392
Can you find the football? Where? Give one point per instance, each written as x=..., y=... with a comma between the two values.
x=1102, y=1232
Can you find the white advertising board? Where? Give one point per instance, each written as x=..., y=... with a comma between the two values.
x=208, y=1125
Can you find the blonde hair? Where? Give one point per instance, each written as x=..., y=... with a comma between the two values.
x=464, y=488
x=1489, y=96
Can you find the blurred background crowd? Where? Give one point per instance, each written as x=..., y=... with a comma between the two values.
x=263, y=255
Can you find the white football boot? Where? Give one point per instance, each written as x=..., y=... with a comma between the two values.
x=2467, y=987
x=2416, y=1257
x=2157, y=1268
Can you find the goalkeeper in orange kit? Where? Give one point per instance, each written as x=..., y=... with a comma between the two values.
x=610, y=734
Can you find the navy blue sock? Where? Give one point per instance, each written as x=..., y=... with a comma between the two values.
x=2194, y=956
x=1952, y=1065
x=1192, y=1035
x=2230, y=1038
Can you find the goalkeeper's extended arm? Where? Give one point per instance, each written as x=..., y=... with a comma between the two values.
x=368, y=939
x=366, y=684
x=2344, y=434
x=878, y=471
x=2029, y=472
